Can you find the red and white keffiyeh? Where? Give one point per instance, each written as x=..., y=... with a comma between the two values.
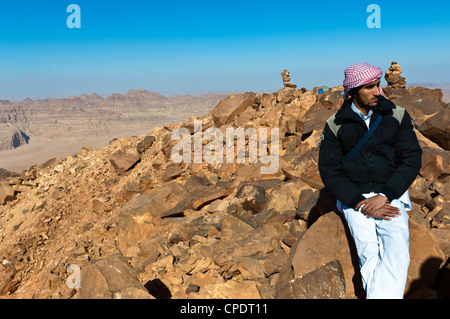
x=360, y=74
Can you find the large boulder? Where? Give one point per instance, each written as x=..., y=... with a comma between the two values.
x=227, y=109
x=419, y=107
x=327, y=282
x=111, y=278
x=325, y=241
x=437, y=128
x=435, y=95
x=140, y=215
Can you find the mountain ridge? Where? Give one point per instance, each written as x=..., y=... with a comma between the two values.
x=90, y=116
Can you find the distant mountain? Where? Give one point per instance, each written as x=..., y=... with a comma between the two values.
x=86, y=116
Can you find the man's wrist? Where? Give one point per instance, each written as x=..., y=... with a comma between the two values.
x=382, y=195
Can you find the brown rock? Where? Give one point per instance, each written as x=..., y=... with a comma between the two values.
x=146, y=143
x=307, y=209
x=6, y=193
x=233, y=225
x=437, y=128
x=420, y=108
x=231, y=289
x=7, y=281
x=251, y=243
x=426, y=258
x=250, y=268
x=271, y=116
x=419, y=192
x=304, y=166
x=287, y=79
x=325, y=241
x=124, y=159
x=317, y=115
x=431, y=94
x=393, y=77
x=147, y=183
x=245, y=117
x=110, y=278
x=285, y=95
x=435, y=163
x=332, y=100
x=268, y=100
x=253, y=197
x=326, y=282
x=138, y=216
x=233, y=105
x=209, y=195
x=171, y=172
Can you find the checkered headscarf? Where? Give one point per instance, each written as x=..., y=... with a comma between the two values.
x=360, y=74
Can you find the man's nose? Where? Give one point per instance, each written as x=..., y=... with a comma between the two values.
x=376, y=90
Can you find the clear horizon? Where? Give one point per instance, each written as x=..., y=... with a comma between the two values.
x=202, y=46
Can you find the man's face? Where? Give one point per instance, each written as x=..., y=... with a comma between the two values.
x=368, y=95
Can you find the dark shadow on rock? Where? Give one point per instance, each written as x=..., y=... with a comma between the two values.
x=442, y=284
x=158, y=289
x=360, y=293
x=428, y=276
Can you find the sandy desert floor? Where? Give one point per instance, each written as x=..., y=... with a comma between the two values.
x=38, y=152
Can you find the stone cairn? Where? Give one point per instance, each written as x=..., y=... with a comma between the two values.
x=287, y=80
x=393, y=77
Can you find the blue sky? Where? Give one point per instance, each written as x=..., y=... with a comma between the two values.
x=176, y=47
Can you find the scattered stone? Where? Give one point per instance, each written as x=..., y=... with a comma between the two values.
x=145, y=144
x=6, y=193
x=124, y=159
x=192, y=288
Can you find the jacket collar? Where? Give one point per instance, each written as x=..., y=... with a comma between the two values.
x=383, y=107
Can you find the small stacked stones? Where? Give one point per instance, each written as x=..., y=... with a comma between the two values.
x=393, y=77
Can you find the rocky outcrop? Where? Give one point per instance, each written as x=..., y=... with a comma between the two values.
x=12, y=136
x=139, y=225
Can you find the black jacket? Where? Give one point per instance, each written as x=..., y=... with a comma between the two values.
x=388, y=162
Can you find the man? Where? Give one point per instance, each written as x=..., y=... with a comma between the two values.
x=372, y=186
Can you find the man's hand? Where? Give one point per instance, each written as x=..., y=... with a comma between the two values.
x=371, y=204
x=386, y=212
x=377, y=207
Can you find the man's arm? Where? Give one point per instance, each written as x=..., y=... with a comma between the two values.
x=331, y=172
x=409, y=160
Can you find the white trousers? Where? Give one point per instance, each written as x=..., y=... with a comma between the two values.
x=383, y=250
